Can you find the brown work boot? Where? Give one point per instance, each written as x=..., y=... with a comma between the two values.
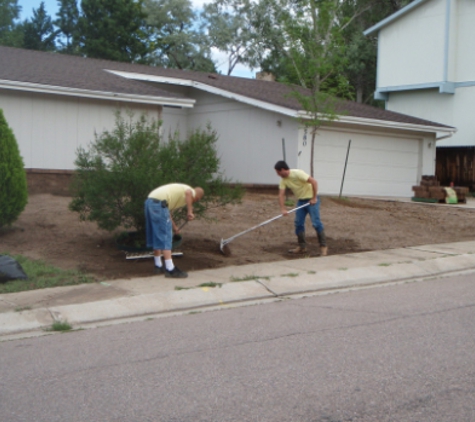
x=302, y=247
x=322, y=239
x=298, y=250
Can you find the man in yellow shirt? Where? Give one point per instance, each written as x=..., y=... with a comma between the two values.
x=159, y=223
x=305, y=188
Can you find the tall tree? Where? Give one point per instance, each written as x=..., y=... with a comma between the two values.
x=39, y=33
x=113, y=30
x=358, y=56
x=233, y=28
x=174, y=39
x=67, y=22
x=361, y=51
x=10, y=34
x=307, y=34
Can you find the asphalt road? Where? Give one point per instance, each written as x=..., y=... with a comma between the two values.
x=394, y=353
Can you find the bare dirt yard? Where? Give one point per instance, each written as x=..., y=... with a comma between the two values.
x=47, y=230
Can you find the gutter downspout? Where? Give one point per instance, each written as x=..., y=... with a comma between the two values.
x=447, y=87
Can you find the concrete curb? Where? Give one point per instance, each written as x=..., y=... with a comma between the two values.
x=307, y=276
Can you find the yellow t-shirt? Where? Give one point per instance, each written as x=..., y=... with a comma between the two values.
x=297, y=182
x=174, y=194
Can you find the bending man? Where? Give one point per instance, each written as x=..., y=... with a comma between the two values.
x=159, y=223
x=305, y=188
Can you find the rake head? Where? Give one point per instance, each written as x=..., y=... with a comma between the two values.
x=224, y=248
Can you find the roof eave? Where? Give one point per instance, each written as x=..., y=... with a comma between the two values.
x=393, y=17
x=208, y=88
x=387, y=124
x=103, y=95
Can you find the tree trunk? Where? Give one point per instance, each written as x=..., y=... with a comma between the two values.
x=312, y=151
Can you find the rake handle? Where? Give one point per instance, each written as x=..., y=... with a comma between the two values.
x=226, y=241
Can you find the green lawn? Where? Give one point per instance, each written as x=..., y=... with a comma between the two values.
x=41, y=275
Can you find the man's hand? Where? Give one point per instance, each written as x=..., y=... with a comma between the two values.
x=284, y=212
x=190, y=216
x=313, y=201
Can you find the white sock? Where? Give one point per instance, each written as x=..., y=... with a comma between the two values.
x=169, y=264
x=158, y=261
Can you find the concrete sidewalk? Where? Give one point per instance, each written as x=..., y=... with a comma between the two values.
x=29, y=313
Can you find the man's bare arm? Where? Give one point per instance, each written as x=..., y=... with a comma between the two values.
x=314, y=184
x=189, y=204
x=283, y=210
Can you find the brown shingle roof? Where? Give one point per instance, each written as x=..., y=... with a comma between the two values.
x=53, y=69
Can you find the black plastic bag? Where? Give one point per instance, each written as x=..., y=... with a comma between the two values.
x=10, y=269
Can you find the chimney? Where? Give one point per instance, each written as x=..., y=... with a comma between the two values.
x=265, y=76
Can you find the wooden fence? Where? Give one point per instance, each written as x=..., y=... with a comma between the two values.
x=456, y=164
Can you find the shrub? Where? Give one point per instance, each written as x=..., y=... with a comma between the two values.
x=13, y=187
x=118, y=171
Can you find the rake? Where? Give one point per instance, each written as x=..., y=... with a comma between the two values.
x=224, y=248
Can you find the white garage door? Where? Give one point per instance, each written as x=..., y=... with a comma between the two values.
x=377, y=165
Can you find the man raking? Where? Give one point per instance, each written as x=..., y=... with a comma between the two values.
x=305, y=188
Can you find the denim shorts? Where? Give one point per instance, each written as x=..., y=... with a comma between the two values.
x=158, y=225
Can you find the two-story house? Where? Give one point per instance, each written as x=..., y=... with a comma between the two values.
x=426, y=68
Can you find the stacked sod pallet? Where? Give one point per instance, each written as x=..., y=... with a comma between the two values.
x=462, y=193
x=429, y=190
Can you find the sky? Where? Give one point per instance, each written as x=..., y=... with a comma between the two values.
x=51, y=7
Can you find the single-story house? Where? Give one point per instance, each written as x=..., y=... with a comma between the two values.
x=55, y=103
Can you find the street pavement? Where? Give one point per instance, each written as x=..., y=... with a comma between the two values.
x=30, y=313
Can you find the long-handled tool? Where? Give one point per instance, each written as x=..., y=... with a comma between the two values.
x=224, y=248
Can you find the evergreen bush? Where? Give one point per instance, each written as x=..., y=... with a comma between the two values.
x=121, y=167
x=13, y=186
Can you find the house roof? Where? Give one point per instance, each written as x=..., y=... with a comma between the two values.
x=72, y=75
x=393, y=17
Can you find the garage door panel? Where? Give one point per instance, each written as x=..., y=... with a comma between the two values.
x=391, y=158
x=365, y=173
x=381, y=173
x=377, y=165
x=374, y=188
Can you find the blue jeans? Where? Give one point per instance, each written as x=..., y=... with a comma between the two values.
x=301, y=214
x=158, y=226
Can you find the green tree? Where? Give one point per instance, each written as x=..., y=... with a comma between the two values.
x=357, y=58
x=13, y=191
x=174, y=39
x=39, y=33
x=113, y=30
x=361, y=51
x=234, y=28
x=67, y=22
x=117, y=172
x=308, y=34
x=10, y=34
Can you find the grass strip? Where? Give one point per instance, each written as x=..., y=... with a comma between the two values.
x=42, y=275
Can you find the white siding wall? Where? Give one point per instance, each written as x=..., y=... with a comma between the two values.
x=250, y=139
x=174, y=120
x=49, y=129
x=411, y=49
x=452, y=110
x=463, y=41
